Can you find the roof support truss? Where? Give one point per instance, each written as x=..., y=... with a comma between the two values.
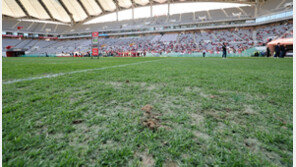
x=22, y=7
x=67, y=11
x=46, y=9
x=119, y=8
x=134, y=4
x=117, y=5
x=84, y=9
x=99, y=4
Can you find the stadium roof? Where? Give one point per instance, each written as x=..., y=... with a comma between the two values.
x=72, y=11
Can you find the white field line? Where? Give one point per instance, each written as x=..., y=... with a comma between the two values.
x=74, y=72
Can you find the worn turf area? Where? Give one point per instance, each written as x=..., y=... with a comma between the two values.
x=171, y=112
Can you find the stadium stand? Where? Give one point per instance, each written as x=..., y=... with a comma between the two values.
x=273, y=6
x=175, y=18
x=179, y=33
x=273, y=31
x=217, y=14
x=169, y=38
x=202, y=16
x=187, y=18
x=234, y=13
x=248, y=11
x=10, y=42
x=238, y=40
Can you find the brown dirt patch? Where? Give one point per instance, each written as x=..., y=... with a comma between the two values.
x=147, y=108
x=151, y=124
x=150, y=120
x=78, y=121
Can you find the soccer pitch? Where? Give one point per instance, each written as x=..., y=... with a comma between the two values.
x=147, y=112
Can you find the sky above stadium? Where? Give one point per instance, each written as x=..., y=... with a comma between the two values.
x=158, y=10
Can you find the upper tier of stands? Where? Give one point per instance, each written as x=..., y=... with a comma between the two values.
x=10, y=24
x=246, y=12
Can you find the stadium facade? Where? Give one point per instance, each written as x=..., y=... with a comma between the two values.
x=58, y=27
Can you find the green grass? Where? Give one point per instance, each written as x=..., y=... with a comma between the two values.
x=209, y=112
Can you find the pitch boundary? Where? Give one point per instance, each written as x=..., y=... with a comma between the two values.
x=74, y=72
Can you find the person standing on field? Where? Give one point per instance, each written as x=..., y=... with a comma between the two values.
x=224, y=50
x=277, y=50
x=267, y=52
x=282, y=51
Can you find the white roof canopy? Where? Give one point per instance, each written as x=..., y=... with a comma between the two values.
x=56, y=10
x=81, y=10
x=35, y=9
x=92, y=7
x=75, y=9
x=11, y=8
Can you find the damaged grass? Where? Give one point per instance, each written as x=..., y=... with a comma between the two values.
x=174, y=112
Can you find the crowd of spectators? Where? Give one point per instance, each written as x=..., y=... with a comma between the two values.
x=237, y=40
x=210, y=41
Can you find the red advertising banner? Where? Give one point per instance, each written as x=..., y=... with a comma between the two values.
x=95, y=34
x=16, y=36
x=95, y=42
x=95, y=51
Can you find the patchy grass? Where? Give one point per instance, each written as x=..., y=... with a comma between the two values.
x=206, y=111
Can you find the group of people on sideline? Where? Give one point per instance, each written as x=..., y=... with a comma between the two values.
x=280, y=51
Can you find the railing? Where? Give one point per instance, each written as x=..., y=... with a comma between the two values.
x=275, y=16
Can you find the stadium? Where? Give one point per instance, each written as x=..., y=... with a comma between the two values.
x=147, y=82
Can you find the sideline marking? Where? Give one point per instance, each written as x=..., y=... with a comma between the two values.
x=73, y=72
